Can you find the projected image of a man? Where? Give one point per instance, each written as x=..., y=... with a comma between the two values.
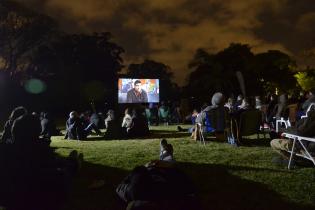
x=137, y=94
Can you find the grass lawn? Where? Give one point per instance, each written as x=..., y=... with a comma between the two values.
x=226, y=177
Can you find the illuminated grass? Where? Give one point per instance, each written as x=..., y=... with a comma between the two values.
x=226, y=177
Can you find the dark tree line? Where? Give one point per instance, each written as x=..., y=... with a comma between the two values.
x=262, y=72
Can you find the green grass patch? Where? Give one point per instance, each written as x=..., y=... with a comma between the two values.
x=225, y=177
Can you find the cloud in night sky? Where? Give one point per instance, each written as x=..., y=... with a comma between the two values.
x=170, y=31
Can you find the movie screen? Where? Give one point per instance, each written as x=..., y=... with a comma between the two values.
x=138, y=90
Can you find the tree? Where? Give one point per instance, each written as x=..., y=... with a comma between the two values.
x=152, y=69
x=85, y=65
x=217, y=72
x=275, y=70
x=22, y=32
x=306, y=79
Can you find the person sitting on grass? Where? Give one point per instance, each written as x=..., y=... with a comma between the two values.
x=16, y=113
x=158, y=185
x=113, y=129
x=139, y=125
x=32, y=176
x=76, y=130
x=304, y=127
x=48, y=126
x=192, y=118
x=127, y=120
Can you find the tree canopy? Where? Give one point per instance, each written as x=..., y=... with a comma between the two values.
x=261, y=73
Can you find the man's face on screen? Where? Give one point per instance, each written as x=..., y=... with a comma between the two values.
x=138, y=87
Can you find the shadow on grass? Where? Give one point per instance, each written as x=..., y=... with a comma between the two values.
x=83, y=197
x=218, y=189
x=154, y=134
x=256, y=142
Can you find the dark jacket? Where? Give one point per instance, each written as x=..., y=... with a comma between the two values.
x=74, y=129
x=308, y=102
x=133, y=98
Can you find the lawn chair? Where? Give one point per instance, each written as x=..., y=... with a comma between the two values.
x=289, y=117
x=304, y=153
x=217, y=122
x=250, y=123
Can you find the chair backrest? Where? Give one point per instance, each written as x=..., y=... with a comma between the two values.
x=219, y=118
x=250, y=122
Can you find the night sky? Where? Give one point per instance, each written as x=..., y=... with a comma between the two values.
x=170, y=31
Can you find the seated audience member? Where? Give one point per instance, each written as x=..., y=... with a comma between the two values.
x=7, y=136
x=192, y=117
x=217, y=102
x=244, y=106
x=230, y=105
x=280, y=107
x=304, y=127
x=158, y=185
x=176, y=113
x=48, y=126
x=166, y=151
x=139, y=124
x=76, y=129
x=112, y=125
x=238, y=101
x=127, y=120
x=96, y=120
x=310, y=99
x=258, y=102
x=271, y=111
x=214, y=118
x=34, y=178
x=164, y=112
x=152, y=114
x=85, y=118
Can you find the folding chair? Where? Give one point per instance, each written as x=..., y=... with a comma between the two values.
x=200, y=133
x=299, y=140
x=282, y=121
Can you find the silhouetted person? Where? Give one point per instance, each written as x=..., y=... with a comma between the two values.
x=48, y=126
x=310, y=99
x=127, y=120
x=33, y=175
x=137, y=94
x=76, y=129
x=158, y=185
x=139, y=125
x=113, y=128
x=7, y=136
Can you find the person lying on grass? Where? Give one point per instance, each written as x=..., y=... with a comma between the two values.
x=158, y=185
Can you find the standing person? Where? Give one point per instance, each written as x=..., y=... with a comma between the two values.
x=137, y=94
